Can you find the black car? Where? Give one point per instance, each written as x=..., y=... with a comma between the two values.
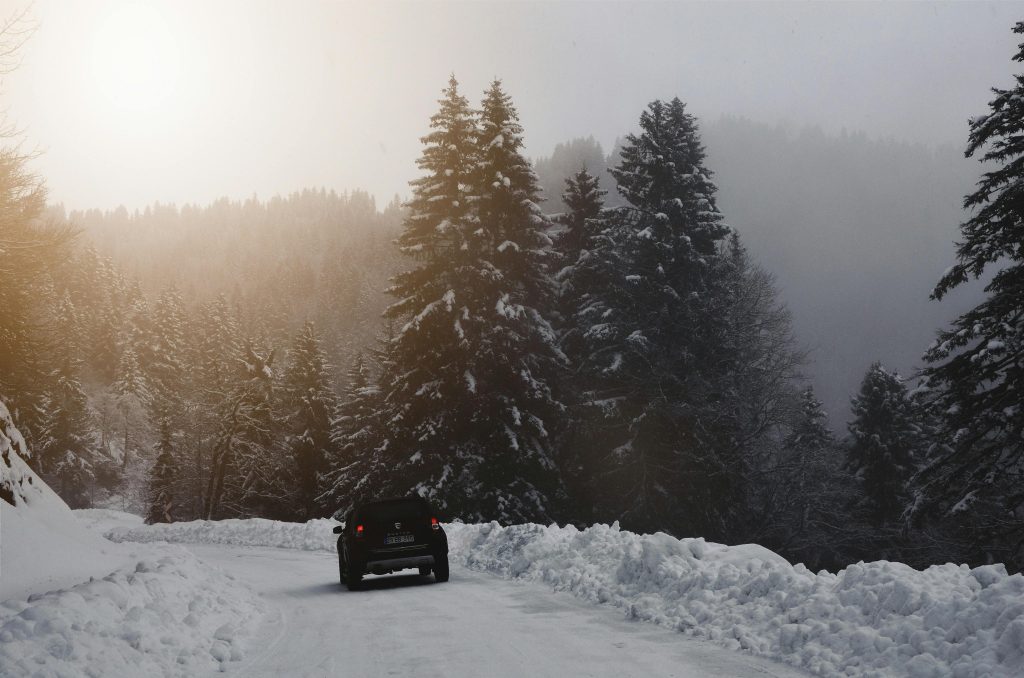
x=386, y=536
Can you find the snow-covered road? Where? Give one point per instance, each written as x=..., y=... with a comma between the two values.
x=475, y=625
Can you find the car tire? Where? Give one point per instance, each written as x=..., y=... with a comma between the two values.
x=424, y=571
x=441, y=569
x=353, y=578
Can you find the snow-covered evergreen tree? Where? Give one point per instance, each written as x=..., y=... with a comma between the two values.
x=652, y=333
x=163, y=477
x=584, y=200
x=132, y=398
x=246, y=475
x=582, y=277
x=357, y=434
x=164, y=359
x=884, y=443
x=308, y=406
x=975, y=377
x=810, y=433
x=30, y=250
x=68, y=444
x=468, y=407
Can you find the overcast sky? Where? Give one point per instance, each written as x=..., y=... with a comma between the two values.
x=186, y=101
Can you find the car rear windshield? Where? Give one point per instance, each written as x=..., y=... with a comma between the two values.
x=387, y=512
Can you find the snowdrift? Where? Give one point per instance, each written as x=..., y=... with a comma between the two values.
x=41, y=544
x=171, y=616
x=162, y=614
x=316, y=535
x=871, y=619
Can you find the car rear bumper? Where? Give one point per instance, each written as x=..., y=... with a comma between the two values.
x=399, y=563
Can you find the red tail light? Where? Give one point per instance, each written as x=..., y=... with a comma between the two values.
x=359, y=530
x=434, y=525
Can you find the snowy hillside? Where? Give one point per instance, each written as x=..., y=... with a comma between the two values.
x=42, y=544
x=72, y=603
x=871, y=619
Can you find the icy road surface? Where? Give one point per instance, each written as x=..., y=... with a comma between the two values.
x=475, y=625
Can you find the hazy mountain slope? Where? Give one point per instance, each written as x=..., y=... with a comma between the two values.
x=857, y=232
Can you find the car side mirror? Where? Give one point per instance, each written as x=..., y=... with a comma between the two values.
x=338, y=529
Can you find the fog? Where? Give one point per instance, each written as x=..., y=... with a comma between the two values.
x=267, y=97
x=844, y=176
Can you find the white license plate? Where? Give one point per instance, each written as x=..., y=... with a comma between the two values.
x=399, y=539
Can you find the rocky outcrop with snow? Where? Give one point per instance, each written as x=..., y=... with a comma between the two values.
x=19, y=485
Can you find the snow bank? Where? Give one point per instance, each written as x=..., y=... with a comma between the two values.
x=871, y=619
x=101, y=520
x=316, y=535
x=172, y=616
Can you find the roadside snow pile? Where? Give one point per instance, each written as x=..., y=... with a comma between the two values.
x=871, y=619
x=171, y=616
x=315, y=535
x=101, y=520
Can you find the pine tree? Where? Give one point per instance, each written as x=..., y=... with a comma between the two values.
x=68, y=446
x=213, y=361
x=810, y=433
x=516, y=362
x=424, y=378
x=884, y=442
x=435, y=225
x=584, y=199
x=245, y=475
x=30, y=250
x=357, y=433
x=976, y=373
x=132, y=396
x=583, y=273
x=162, y=479
x=468, y=407
x=308, y=405
x=164, y=358
x=652, y=331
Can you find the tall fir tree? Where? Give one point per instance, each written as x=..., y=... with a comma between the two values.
x=30, y=251
x=468, y=405
x=356, y=434
x=245, y=477
x=652, y=333
x=423, y=379
x=163, y=477
x=584, y=199
x=132, y=397
x=580, y=276
x=164, y=359
x=884, y=443
x=309, y=407
x=516, y=361
x=68, y=445
x=975, y=376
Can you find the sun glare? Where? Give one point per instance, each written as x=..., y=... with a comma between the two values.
x=137, y=59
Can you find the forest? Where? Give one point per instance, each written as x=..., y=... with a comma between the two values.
x=583, y=339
